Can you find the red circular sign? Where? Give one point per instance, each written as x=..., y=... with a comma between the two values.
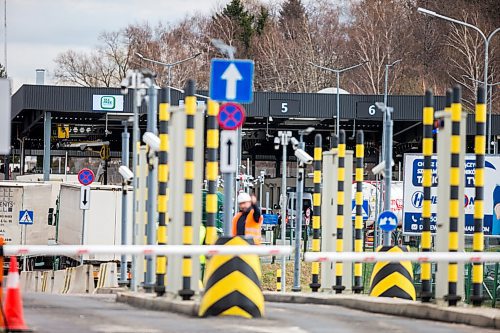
x=86, y=177
x=231, y=116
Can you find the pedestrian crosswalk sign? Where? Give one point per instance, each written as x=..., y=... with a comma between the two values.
x=365, y=210
x=26, y=217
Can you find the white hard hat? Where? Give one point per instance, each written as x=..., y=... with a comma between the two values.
x=244, y=197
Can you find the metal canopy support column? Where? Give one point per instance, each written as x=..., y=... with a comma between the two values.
x=47, y=126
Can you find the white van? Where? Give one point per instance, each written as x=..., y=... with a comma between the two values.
x=291, y=209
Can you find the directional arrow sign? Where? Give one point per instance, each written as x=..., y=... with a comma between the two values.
x=231, y=80
x=228, y=151
x=231, y=76
x=85, y=197
x=387, y=221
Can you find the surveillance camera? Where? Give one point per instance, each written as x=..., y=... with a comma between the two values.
x=303, y=156
x=295, y=142
x=380, y=168
x=277, y=142
x=380, y=106
x=126, y=173
x=151, y=140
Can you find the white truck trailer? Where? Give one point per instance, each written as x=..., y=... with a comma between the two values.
x=102, y=219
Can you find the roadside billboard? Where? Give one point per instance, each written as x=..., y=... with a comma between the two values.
x=413, y=194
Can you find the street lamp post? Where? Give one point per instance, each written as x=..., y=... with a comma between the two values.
x=487, y=40
x=337, y=72
x=384, y=143
x=169, y=68
x=386, y=81
x=387, y=141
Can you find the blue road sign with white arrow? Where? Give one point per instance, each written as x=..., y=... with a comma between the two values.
x=387, y=221
x=231, y=80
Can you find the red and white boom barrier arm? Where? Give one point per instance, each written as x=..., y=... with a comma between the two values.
x=72, y=250
x=403, y=256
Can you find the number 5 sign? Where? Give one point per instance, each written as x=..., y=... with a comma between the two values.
x=284, y=107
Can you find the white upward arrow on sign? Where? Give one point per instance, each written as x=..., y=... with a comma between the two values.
x=228, y=151
x=231, y=75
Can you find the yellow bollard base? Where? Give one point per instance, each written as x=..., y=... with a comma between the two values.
x=232, y=285
x=393, y=280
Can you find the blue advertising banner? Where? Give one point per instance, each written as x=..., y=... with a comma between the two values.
x=414, y=195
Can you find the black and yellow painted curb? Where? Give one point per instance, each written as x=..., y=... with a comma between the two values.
x=390, y=279
x=232, y=285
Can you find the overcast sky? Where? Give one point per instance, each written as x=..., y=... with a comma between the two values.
x=37, y=30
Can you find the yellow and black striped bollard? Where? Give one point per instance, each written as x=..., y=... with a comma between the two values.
x=187, y=238
x=456, y=116
x=212, y=170
x=163, y=173
x=358, y=222
x=339, y=266
x=233, y=283
x=392, y=279
x=427, y=144
x=316, y=218
x=278, y=279
x=478, y=237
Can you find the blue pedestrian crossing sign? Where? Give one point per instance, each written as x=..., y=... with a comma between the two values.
x=387, y=221
x=365, y=210
x=231, y=80
x=26, y=217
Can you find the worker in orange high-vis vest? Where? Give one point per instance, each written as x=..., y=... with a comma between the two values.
x=248, y=221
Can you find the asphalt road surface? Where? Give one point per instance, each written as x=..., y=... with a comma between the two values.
x=47, y=313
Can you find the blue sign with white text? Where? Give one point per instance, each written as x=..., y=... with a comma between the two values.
x=231, y=80
x=270, y=219
x=413, y=197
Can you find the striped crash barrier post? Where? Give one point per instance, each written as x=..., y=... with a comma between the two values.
x=339, y=266
x=163, y=174
x=358, y=222
x=427, y=150
x=456, y=116
x=393, y=279
x=187, y=232
x=316, y=219
x=232, y=285
x=278, y=279
x=478, y=237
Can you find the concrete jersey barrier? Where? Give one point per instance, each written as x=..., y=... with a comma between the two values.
x=58, y=281
x=108, y=275
x=47, y=282
x=81, y=280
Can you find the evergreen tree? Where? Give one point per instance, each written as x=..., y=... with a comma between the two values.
x=237, y=13
x=292, y=18
x=260, y=22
